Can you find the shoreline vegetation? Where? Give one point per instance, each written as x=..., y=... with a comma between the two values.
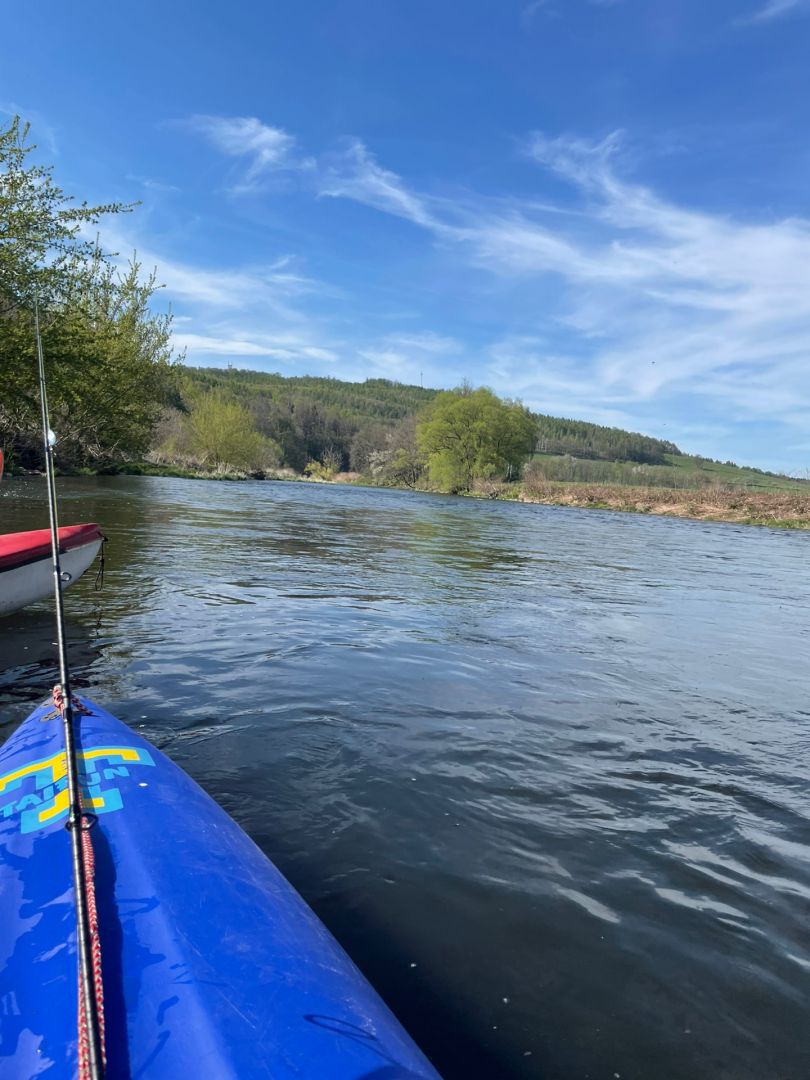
x=122, y=401
x=716, y=503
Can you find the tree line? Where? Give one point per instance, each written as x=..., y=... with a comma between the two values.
x=257, y=423
x=579, y=470
x=351, y=426
x=306, y=420
x=583, y=440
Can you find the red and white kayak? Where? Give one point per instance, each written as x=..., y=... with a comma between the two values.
x=26, y=570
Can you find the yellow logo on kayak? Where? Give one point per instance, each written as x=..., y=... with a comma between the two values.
x=48, y=801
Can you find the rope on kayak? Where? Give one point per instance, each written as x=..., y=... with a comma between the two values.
x=85, y=1072
x=100, y=575
x=85, y=823
x=79, y=708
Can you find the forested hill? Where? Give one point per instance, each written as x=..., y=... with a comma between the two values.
x=375, y=400
x=581, y=439
x=359, y=425
x=342, y=409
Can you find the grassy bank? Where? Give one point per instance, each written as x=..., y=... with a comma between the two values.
x=779, y=509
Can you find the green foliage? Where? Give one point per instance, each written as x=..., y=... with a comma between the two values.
x=681, y=472
x=218, y=432
x=317, y=419
x=583, y=440
x=374, y=399
x=317, y=470
x=568, y=469
x=41, y=242
x=106, y=355
x=366, y=441
x=370, y=427
x=726, y=472
x=471, y=434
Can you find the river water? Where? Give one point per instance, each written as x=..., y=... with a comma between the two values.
x=542, y=771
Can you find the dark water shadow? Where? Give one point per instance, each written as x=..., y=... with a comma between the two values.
x=439, y=1024
x=29, y=665
x=441, y=1028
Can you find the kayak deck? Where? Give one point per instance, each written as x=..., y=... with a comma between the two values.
x=212, y=964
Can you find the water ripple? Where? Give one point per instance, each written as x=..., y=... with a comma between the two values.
x=543, y=771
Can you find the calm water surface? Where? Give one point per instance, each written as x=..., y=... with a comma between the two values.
x=543, y=772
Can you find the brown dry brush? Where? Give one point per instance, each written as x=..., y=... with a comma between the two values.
x=722, y=501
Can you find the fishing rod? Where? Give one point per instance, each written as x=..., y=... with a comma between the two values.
x=77, y=818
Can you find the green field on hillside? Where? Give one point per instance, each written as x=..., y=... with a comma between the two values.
x=727, y=473
x=680, y=471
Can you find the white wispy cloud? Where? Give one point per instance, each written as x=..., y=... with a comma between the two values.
x=773, y=9
x=274, y=285
x=288, y=347
x=429, y=342
x=551, y=8
x=615, y=303
x=151, y=184
x=653, y=296
x=278, y=314
x=266, y=149
x=227, y=287
x=533, y=8
x=434, y=359
x=355, y=174
x=221, y=313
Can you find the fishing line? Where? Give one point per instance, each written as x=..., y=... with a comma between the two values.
x=76, y=823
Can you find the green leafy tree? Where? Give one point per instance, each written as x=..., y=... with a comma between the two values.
x=42, y=230
x=107, y=355
x=472, y=434
x=107, y=361
x=221, y=432
x=318, y=470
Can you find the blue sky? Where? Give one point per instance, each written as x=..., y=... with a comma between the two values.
x=599, y=206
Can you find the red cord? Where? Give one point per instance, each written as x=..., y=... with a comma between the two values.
x=92, y=920
x=95, y=945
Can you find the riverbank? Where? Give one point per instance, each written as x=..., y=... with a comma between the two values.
x=737, y=505
x=783, y=510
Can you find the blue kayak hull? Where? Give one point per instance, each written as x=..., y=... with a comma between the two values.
x=213, y=966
